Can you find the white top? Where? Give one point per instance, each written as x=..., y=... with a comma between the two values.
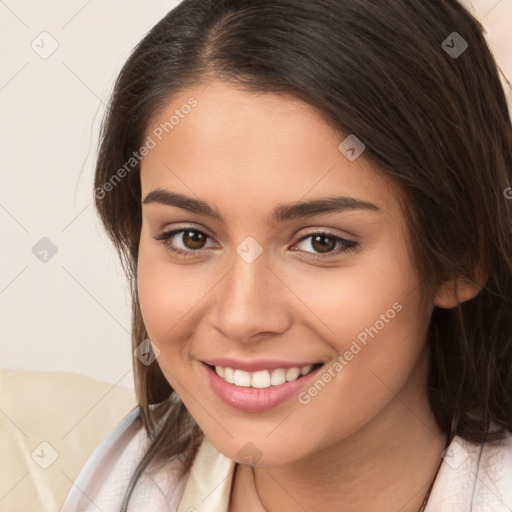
x=463, y=484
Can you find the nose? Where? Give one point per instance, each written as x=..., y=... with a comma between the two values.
x=251, y=302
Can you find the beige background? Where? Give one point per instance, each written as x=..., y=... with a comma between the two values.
x=72, y=313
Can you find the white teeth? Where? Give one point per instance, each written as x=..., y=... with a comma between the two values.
x=242, y=379
x=260, y=379
x=292, y=374
x=278, y=377
x=263, y=378
x=306, y=369
x=229, y=375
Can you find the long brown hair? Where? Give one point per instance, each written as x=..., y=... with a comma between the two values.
x=430, y=108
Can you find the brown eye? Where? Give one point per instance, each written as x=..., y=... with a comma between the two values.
x=193, y=239
x=190, y=242
x=325, y=245
x=322, y=243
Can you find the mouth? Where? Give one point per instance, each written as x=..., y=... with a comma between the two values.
x=273, y=387
x=262, y=379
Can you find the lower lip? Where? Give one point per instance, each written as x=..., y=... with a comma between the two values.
x=255, y=399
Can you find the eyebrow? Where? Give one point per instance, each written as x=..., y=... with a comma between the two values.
x=279, y=214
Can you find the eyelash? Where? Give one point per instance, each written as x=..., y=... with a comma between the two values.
x=349, y=246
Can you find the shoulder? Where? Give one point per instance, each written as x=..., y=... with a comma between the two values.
x=493, y=476
x=104, y=480
x=474, y=476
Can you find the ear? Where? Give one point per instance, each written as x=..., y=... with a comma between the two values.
x=460, y=289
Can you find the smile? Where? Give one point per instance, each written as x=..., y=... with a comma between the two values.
x=260, y=390
x=263, y=378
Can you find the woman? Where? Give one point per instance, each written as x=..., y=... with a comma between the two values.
x=310, y=201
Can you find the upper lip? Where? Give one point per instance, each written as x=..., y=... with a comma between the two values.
x=256, y=365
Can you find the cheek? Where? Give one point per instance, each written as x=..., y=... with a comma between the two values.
x=160, y=291
x=377, y=358
x=352, y=298
x=371, y=315
x=169, y=295
x=381, y=347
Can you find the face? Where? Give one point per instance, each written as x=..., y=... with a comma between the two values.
x=265, y=286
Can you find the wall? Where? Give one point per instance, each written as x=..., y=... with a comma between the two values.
x=71, y=313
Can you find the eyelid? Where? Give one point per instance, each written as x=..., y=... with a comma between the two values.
x=304, y=232
x=334, y=232
x=346, y=245
x=166, y=234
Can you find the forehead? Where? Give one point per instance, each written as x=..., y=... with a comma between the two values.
x=255, y=149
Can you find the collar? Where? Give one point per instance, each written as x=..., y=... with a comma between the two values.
x=209, y=483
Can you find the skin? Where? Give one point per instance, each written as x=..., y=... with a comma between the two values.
x=369, y=437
